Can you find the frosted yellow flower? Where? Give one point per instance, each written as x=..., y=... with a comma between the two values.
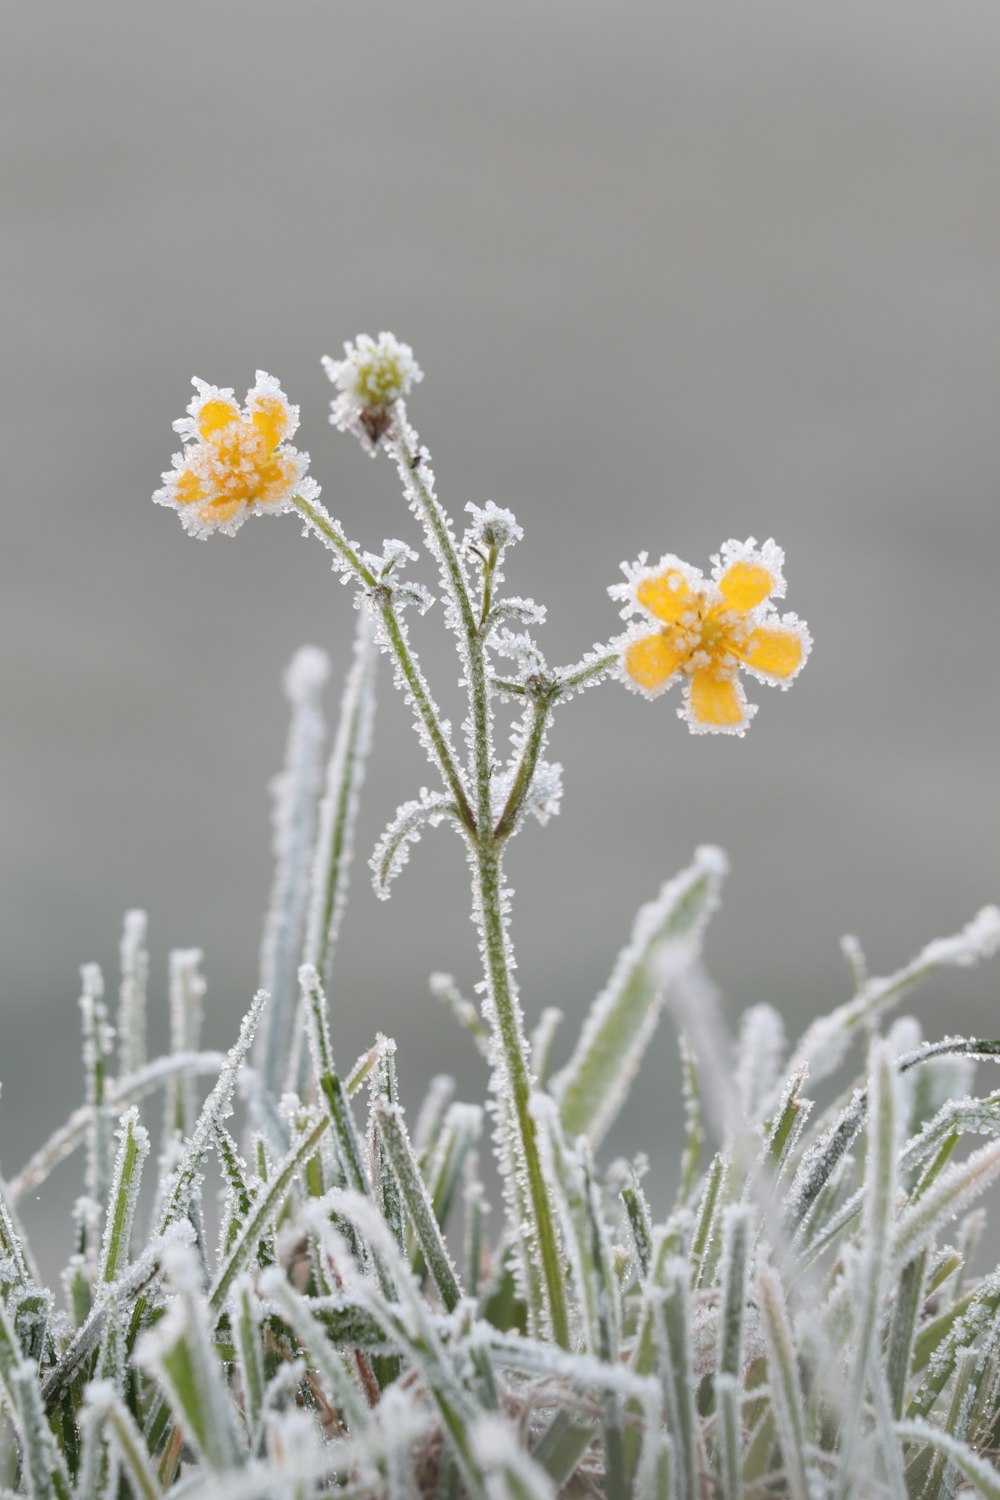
x=706, y=629
x=236, y=459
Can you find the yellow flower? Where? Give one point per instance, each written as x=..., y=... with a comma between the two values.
x=236, y=459
x=707, y=629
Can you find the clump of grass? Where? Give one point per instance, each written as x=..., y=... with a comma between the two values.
x=804, y=1320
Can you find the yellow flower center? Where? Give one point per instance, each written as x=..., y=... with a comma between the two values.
x=707, y=636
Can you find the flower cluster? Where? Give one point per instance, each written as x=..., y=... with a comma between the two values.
x=706, y=629
x=373, y=375
x=235, y=459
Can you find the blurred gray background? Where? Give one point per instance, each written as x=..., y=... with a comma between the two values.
x=675, y=272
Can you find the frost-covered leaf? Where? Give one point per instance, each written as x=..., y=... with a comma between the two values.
x=294, y=792
x=392, y=851
x=665, y=939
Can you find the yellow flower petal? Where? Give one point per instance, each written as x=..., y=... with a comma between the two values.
x=716, y=702
x=187, y=487
x=215, y=415
x=221, y=508
x=270, y=417
x=667, y=597
x=651, y=662
x=276, y=477
x=746, y=584
x=774, y=651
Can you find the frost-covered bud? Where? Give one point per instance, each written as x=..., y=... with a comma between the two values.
x=373, y=375
x=492, y=526
x=236, y=459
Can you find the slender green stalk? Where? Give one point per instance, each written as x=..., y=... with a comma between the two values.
x=324, y=527
x=486, y=847
x=586, y=672
x=526, y=769
x=511, y=1037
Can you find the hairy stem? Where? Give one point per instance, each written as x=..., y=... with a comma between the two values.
x=510, y=1031
x=489, y=899
x=323, y=526
x=526, y=770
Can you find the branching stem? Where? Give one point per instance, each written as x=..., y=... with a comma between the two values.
x=323, y=526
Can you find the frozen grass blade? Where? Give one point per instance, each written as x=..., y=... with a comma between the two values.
x=294, y=793
x=419, y=1207
x=734, y=1273
x=132, y=1152
x=339, y=808
x=982, y=1475
x=131, y=1027
x=187, y=993
x=179, y=1353
x=787, y=1401
x=823, y=1046
x=185, y=1178
x=102, y=1401
x=262, y=1215
x=128, y=1090
x=672, y=1335
x=666, y=937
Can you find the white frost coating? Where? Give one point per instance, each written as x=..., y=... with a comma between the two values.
x=392, y=852
x=294, y=794
x=492, y=526
x=665, y=940
x=132, y=993
x=826, y=1041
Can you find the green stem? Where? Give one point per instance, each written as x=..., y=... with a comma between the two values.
x=487, y=849
x=512, y=1041
x=525, y=771
x=324, y=527
x=584, y=673
x=489, y=568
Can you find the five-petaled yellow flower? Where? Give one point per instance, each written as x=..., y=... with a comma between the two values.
x=706, y=629
x=236, y=459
